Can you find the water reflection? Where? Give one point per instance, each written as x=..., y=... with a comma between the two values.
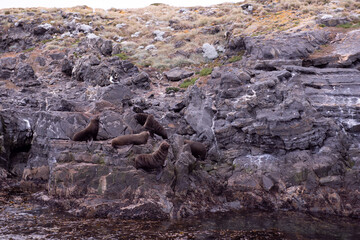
x=27, y=221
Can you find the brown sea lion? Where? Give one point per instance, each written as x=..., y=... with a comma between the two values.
x=90, y=132
x=153, y=161
x=154, y=126
x=198, y=150
x=136, y=139
x=141, y=118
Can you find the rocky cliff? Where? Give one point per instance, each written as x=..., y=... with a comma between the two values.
x=280, y=124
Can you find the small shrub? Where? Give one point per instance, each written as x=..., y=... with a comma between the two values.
x=171, y=89
x=157, y=4
x=7, y=12
x=122, y=56
x=46, y=41
x=77, y=55
x=235, y=58
x=29, y=49
x=345, y=25
x=322, y=25
x=205, y=71
x=349, y=25
x=188, y=82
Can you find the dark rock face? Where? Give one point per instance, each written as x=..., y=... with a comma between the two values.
x=24, y=34
x=67, y=67
x=280, y=127
x=284, y=46
x=90, y=69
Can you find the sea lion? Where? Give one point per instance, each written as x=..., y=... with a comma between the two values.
x=153, y=161
x=198, y=150
x=141, y=118
x=136, y=139
x=90, y=132
x=154, y=126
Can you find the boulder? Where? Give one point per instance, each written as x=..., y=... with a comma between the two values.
x=176, y=74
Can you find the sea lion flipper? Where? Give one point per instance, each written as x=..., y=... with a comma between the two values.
x=159, y=175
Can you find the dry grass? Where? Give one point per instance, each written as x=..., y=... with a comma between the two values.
x=272, y=17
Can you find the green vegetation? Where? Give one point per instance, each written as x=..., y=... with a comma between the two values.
x=157, y=4
x=77, y=55
x=29, y=49
x=349, y=25
x=188, y=82
x=102, y=161
x=205, y=71
x=122, y=56
x=235, y=58
x=172, y=89
x=46, y=41
x=322, y=25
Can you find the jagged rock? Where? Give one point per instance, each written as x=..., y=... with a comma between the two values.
x=280, y=125
x=8, y=63
x=67, y=67
x=183, y=167
x=176, y=74
x=284, y=46
x=331, y=21
x=345, y=53
x=179, y=44
x=210, y=30
x=267, y=183
x=57, y=56
x=199, y=113
x=141, y=80
x=106, y=48
x=115, y=94
x=236, y=44
x=90, y=69
x=25, y=72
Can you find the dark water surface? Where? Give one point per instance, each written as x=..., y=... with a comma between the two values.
x=25, y=221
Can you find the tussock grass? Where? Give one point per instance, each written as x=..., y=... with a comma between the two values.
x=266, y=19
x=205, y=71
x=188, y=82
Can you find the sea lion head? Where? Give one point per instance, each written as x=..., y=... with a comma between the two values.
x=141, y=118
x=146, y=134
x=164, y=146
x=96, y=119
